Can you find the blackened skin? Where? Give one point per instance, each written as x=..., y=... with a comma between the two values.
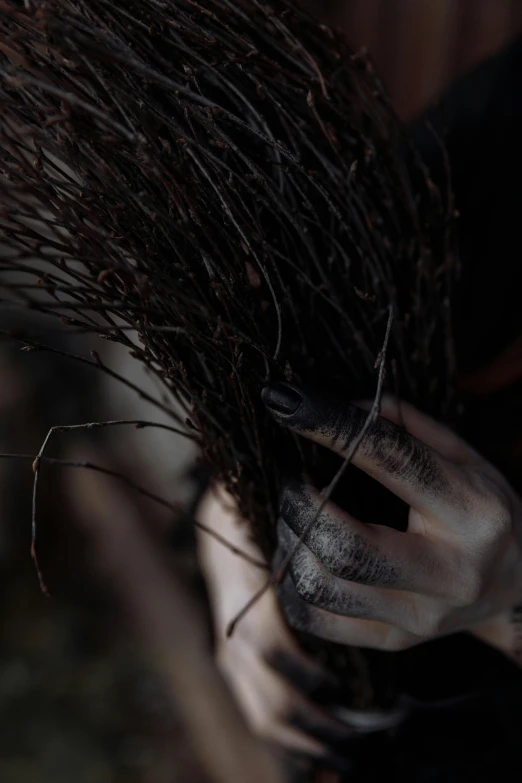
x=344, y=552
x=315, y=585
x=388, y=447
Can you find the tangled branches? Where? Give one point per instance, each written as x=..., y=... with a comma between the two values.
x=226, y=191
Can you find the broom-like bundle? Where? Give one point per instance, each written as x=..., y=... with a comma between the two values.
x=227, y=191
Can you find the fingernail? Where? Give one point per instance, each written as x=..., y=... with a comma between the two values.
x=280, y=398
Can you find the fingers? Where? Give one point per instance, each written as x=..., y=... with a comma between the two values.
x=431, y=432
x=373, y=555
x=266, y=703
x=303, y=616
x=409, y=468
x=279, y=711
x=319, y=588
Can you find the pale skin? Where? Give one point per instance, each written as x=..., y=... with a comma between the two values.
x=457, y=568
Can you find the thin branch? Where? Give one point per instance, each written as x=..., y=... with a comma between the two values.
x=98, y=364
x=126, y=480
x=138, y=423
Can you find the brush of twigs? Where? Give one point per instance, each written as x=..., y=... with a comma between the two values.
x=226, y=191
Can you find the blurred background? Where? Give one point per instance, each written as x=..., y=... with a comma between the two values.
x=420, y=45
x=78, y=701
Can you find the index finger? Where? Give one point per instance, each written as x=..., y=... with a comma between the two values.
x=408, y=467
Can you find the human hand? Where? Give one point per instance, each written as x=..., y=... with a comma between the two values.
x=283, y=693
x=458, y=566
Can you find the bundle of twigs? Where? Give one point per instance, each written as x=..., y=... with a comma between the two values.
x=226, y=191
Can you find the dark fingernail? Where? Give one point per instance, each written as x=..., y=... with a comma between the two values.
x=281, y=398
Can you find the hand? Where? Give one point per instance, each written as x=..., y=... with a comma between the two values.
x=458, y=566
x=278, y=687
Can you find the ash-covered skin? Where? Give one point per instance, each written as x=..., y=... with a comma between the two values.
x=316, y=585
x=300, y=615
x=295, y=610
x=396, y=453
x=344, y=552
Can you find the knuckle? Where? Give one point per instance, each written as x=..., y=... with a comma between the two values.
x=309, y=585
x=426, y=625
x=393, y=449
x=399, y=459
x=496, y=516
x=295, y=503
x=360, y=561
x=489, y=504
x=502, y=513
x=295, y=611
x=425, y=630
x=470, y=590
x=287, y=504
